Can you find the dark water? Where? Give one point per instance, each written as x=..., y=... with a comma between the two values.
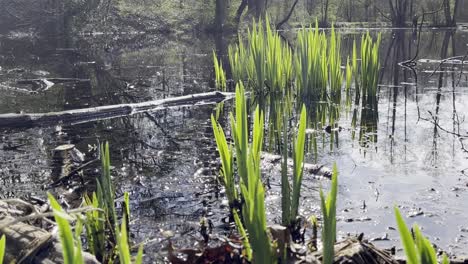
x=165, y=159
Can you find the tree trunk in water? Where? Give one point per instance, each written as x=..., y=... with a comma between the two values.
x=398, y=12
x=220, y=16
x=324, y=20
x=450, y=20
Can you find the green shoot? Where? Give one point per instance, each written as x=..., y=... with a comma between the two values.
x=418, y=250
x=285, y=188
x=240, y=132
x=243, y=233
x=220, y=75
x=329, y=219
x=298, y=159
x=225, y=152
x=95, y=227
x=125, y=256
x=2, y=248
x=106, y=188
x=71, y=252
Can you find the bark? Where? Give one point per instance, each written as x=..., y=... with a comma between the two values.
x=257, y=7
x=325, y=4
x=220, y=15
x=450, y=20
x=398, y=10
x=240, y=10
x=105, y=112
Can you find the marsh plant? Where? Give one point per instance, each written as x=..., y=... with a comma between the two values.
x=311, y=72
x=418, y=249
x=252, y=224
x=244, y=189
x=265, y=62
x=2, y=247
x=366, y=100
x=290, y=201
x=71, y=242
x=106, y=239
x=328, y=205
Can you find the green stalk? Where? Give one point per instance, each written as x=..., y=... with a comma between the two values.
x=226, y=155
x=285, y=188
x=329, y=219
x=2, y=247
x=69, y=251
x=298, y=159
x=419, y=249
x=240, y=133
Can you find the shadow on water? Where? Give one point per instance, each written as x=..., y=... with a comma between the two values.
x=403, y=147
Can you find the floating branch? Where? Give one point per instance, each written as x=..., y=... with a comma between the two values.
x=78, y=116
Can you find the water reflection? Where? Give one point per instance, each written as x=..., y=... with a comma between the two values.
x=393, y=148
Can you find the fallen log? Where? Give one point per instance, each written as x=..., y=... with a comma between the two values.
x=26, y=242
x=70, y=117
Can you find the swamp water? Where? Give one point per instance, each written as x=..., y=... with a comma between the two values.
x=409, y=152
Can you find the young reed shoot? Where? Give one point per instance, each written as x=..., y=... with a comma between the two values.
x=253, y=227
x=96, y=226
x=2, y=248
x=253, y=193
x=227, y=162
x=220, y=75
x=105, y=187
x=298, y=164
x=329, y=219
x=71, y=244
x=370, y=65
x=419, y=249
x=125, y=256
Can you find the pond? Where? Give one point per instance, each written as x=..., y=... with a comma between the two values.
x=414, y=156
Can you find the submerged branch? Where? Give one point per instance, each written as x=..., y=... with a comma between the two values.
x=78, y=116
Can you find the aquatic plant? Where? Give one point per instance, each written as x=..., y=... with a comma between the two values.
x=419, y=249
x=125, y=256
x=2, y=247
x=71, y=244
x=103, y=235
x=220, y=75
x=253, y=225
x=106, y=188
x=101, y=223
x=370, y=65
x=248, y=167
x=95, y=226
x=298, y=159
x=366, y=84
x=227, y=160
x=265, y=62
x=237, y=57
x=285, y=187
x=328, y=205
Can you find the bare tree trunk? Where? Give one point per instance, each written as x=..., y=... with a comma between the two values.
x=220, y=15
x=257, y=7
x=324, y=20
x=240, y=10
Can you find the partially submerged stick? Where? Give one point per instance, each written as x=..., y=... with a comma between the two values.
x=109, y=111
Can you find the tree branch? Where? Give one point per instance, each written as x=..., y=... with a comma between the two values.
x=288, y=16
